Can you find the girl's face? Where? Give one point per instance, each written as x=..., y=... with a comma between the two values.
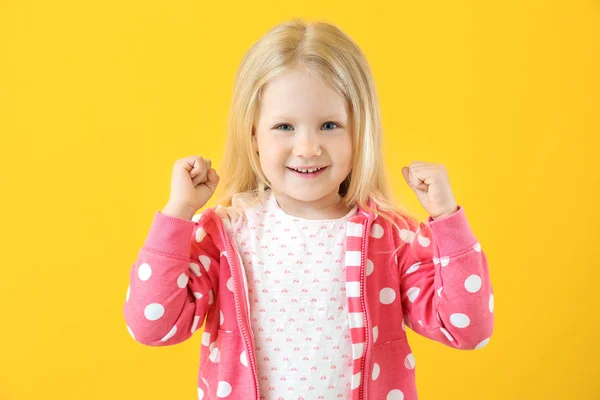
x=303, y=124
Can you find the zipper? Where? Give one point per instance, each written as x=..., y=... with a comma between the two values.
x=249, y=344
x=364, y=305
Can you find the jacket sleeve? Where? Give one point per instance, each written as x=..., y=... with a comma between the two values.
x=173, y=281
x=445, y=284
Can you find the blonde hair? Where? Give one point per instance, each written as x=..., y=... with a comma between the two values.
x=331, y=55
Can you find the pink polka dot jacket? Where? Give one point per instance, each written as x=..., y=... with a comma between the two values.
x=190, y=272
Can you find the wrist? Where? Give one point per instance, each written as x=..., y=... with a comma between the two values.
x=446, y=214
x=178, y=210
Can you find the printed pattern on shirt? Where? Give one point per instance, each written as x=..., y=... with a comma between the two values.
x=297, y=290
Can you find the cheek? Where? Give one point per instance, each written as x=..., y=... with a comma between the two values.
x=271, y=155
x=272, y=151
x=344, y=153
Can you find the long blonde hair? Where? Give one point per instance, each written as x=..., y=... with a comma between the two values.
x=333, y=56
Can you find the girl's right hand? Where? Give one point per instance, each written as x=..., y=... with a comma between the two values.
x=193, y=183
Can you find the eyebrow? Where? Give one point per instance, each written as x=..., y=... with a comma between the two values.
x=331, y=116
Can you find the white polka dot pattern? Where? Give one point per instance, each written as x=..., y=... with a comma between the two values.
x=466, y=321
x=442, y=291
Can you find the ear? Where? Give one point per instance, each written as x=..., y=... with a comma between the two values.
x=254, y=141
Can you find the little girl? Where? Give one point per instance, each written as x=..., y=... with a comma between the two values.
x=306, y=272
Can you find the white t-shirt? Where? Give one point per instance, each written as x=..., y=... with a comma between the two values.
x=297, y=293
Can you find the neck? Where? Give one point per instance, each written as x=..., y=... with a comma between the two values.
x=328, y=207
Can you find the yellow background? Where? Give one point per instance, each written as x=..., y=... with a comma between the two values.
x=98, y=99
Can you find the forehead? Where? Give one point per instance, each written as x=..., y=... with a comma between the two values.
x=299, y=94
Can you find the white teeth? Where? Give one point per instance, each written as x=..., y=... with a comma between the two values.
x=308, y=170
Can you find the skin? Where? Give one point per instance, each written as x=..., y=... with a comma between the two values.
x=303, y=122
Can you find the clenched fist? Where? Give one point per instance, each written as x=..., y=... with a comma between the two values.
x=193, y=183
x=431, y=184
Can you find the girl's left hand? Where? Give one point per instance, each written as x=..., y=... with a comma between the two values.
x=432, y=186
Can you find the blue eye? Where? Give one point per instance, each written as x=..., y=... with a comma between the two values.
x=329, y=122
x=281, y=126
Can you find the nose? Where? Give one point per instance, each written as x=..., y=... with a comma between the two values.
x=307, y=144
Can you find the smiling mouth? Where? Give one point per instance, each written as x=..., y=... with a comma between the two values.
x=307, y=170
